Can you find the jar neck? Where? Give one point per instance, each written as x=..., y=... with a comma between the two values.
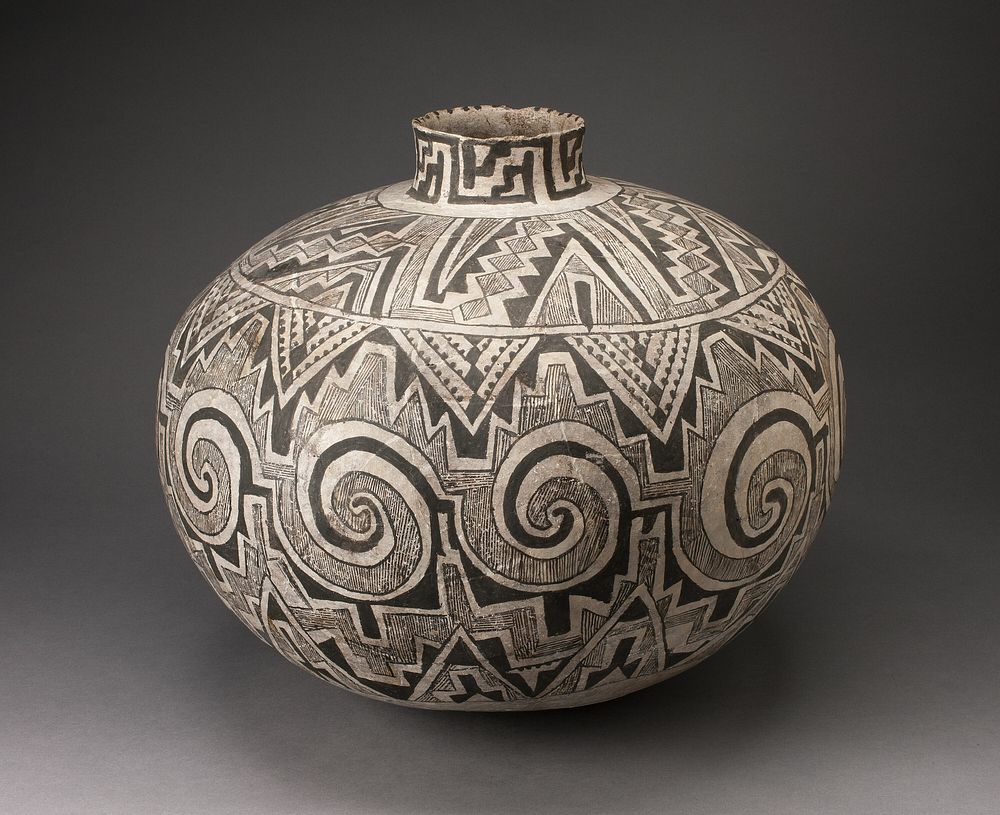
x=489, y=154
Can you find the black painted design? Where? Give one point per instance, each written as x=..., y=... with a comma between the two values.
x=501, y=462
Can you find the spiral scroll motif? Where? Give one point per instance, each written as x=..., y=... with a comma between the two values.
x=213, y=461
x=756, y=489
x=367, y=503
x=557, y=510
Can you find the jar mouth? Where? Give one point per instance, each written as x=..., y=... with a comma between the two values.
x=495, y=123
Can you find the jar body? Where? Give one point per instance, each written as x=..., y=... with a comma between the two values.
x=501, y=463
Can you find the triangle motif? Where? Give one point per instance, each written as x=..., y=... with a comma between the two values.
x=461, y=673
x=580, y=292
x=465, y=372
x=778, y=318
x=648, y=370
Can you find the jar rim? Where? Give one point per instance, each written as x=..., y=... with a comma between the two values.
x=498, y=123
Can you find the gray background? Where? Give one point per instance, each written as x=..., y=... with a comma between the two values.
x=143, y=151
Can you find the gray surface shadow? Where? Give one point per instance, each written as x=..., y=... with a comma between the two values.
x=335, y=751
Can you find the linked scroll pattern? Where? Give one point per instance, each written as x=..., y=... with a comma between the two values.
x=461, y=170
x=435, y=511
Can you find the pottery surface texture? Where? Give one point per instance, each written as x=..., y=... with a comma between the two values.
x=505, y=436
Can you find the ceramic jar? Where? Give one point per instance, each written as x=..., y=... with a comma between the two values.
x=505, y=436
